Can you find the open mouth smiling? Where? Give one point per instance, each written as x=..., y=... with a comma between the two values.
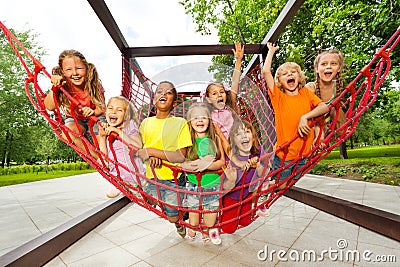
x=291, y=81
x=113, y=119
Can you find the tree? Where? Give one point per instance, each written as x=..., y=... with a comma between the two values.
x=17, y=113
x=357, y=28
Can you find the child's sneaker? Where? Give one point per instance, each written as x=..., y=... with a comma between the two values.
x=214, y=236
x=181, y=230
x=114, y=192
x=262, y=211
x=191, y=235
x=262, y=199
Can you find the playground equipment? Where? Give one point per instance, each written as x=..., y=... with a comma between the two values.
x=356, y=98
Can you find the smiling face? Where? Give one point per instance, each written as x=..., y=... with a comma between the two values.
x=288, y=78
x=216, y=95
x=328, y=66
x=199, y=120
x=165, y=97
x=74, y=71
x=115, y=112
x=243, y=140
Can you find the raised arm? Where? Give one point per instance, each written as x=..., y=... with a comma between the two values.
x=267, y=66
x=103, y=138
x=238, y=52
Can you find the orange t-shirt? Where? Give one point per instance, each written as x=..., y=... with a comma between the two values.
x=288, y=110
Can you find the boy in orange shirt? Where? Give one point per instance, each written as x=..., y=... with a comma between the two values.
x=293, y=105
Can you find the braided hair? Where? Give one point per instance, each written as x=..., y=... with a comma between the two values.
x=338, y=80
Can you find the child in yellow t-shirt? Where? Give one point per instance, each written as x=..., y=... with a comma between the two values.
x=165, y=138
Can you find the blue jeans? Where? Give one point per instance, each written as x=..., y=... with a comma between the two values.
x=167, y=195
x=209, y=201
x=285, y=173
x=85, y=124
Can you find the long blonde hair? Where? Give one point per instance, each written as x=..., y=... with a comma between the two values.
x=92, y=82
x=211, y=133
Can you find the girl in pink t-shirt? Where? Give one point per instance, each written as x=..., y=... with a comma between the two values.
x=224, y=101
x=122, y=120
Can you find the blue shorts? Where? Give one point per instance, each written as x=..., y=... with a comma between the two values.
x=85, y=124
x=209, y=201
x=167, y=195
x=285, y=173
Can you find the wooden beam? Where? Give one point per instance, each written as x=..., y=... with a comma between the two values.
x=286, y=15
x=42, y=249
x=379, y=221
x=188, y=50
x=105, y=16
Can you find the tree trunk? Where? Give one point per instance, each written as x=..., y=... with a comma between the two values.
x=8, y=153
x=343, y=151
x=351, y=142
x=4, y=157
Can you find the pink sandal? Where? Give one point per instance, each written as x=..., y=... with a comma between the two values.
x=190, y=236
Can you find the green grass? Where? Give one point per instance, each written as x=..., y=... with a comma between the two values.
x=38, y=176
x=373, y=164
x=368, y=153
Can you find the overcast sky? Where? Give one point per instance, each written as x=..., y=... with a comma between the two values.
x=72, y=24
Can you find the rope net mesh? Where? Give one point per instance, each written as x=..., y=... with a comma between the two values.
x=253, y=106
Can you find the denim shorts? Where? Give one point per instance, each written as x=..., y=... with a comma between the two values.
x=85, y=124
x=209, y=201
x=285, y=173
x=167, y=195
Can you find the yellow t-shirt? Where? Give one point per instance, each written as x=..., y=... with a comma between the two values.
x=169, y=134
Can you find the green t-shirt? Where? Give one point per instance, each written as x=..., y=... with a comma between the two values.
x=209, y=179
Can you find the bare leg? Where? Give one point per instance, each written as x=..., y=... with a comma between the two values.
x=77, y=141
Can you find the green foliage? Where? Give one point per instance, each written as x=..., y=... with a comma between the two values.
x=381, y=153
x=357, y=28
x=38, y=176
x=26, y=169
x=18, y=116
x=373, y=164
x=320, y=168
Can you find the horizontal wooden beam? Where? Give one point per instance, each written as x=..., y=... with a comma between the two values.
x=379, y=221
x=47, y=246
x=188, y=50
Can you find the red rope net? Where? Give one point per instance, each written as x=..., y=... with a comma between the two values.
x=254, y=107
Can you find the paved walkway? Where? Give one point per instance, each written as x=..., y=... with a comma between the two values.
x=136, y=237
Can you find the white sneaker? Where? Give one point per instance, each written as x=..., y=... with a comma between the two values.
x=214, y=236
x=262, y=199
x=263, y=211
x=114, y=192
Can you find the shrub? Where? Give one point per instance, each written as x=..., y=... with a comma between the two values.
x=320, y=168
